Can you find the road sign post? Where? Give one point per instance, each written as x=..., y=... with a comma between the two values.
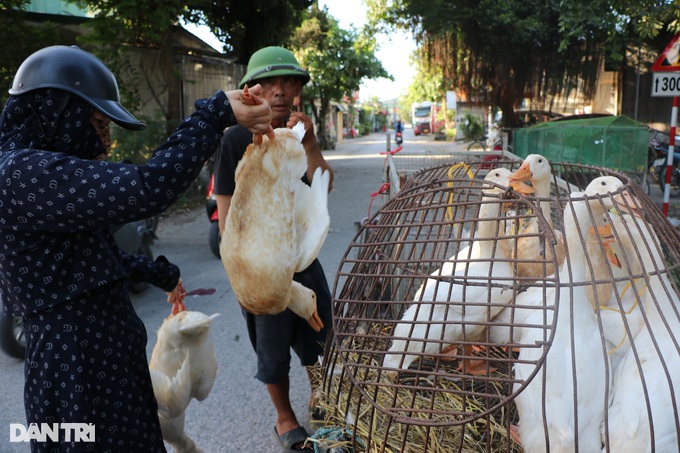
x=666, y=82
x=670, y=157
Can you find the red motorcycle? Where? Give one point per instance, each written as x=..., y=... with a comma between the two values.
x=211, y=211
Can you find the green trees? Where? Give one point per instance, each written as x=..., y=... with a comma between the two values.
x=243, y=26
x=338, y=60
x=14, y=49
x=504, y=50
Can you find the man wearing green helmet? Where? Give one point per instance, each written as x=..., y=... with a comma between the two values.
x=272, y=336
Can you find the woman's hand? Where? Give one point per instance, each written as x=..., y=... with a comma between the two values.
x=257, y=117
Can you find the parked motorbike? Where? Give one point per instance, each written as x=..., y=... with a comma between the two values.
x=211, y=211
x=135, y=238
x=399, y=139
x=660, y=165
x=12, y=338
x=132, y=238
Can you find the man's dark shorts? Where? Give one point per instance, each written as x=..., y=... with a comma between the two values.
x=273, y=336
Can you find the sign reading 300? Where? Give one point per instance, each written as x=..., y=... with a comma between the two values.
x=666, y=84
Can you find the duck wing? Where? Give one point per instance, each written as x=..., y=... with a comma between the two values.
x=311, y=218
x=200, y=352
x=173, y=393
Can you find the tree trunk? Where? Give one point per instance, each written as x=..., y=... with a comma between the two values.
x=171, y=71
x=324, y=135
x=320, y=115
x=504, y=98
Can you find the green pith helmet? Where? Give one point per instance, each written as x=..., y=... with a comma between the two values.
x=273, y=62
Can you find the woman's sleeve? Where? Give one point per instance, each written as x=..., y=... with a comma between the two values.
x=160, y=272
x=57, y=192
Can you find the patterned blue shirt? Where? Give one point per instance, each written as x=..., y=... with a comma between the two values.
x=56, y=203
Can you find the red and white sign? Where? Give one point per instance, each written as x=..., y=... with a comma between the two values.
x=669, y=60
x=665, y=84
x=666, y=70
x=668, y=85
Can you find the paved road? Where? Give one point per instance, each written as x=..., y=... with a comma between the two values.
x=237, y=416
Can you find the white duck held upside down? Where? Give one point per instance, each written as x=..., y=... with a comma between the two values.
x=183, y=366
x=275, y=227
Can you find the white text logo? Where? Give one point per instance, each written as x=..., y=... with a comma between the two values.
x=70, y=432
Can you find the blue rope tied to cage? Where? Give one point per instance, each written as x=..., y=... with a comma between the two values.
x=334, y=440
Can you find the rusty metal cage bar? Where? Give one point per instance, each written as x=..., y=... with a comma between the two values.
x=438, y=403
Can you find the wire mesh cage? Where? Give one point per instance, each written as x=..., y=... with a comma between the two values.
x=466, y=308
x=402, y=165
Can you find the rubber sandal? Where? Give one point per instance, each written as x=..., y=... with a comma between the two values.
x=295, y=437
x=317, y=414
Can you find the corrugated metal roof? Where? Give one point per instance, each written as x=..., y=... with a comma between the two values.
x=57, y=7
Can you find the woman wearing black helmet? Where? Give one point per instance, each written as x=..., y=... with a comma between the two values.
x=59, y=266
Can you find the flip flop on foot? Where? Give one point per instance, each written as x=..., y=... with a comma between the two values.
x=316, y=413
x=294, y=440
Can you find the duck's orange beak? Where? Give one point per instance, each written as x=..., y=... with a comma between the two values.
x=605, y=233
x=628, y=203
x=315, y=321
x=518, y=178
x=522, y=187
x=523, y=173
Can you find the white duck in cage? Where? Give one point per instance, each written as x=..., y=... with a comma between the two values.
x=537, y=170
x=575, y=366
x=485, y=278
x=643, y=415
x=499, y=176
x=423, y=412
x=621, y=315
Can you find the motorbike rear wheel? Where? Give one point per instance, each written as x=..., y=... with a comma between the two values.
x=476, y=146
x=641, y=180
x=675, y=182
x=12, y=338
x=214, y=238
x=152, y=226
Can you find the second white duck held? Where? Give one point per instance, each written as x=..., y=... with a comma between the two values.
x=183, y=366
x=275, y=227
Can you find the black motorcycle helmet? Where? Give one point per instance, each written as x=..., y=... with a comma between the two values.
x=78, y=72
